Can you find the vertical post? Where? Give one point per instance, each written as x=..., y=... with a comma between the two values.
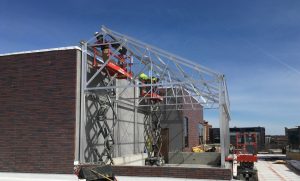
x=151, y=76
x=82, y=93
x=227, y=133
x=78, y=105
x=222, y=121
x=134, y=120
x=116, y=131
x=115, y=107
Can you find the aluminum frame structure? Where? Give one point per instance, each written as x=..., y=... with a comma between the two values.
x=182, y=84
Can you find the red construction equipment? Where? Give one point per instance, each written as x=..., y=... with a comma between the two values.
x=150, y=92
x=244, y=156
x=152, y=96
x=113, y=68
x=121, y=72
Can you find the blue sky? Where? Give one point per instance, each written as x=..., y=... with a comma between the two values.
x=255, y=43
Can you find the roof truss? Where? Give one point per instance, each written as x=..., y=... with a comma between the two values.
x=179, y=77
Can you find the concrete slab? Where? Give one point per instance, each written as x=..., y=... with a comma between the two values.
x=269, y=171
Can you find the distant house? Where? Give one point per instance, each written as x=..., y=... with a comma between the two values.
x=204, y=132
x=276, y=141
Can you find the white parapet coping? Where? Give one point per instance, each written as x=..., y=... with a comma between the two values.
x=42, y=50
x=11, y=176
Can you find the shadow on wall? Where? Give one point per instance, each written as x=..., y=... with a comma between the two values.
x=97, y=131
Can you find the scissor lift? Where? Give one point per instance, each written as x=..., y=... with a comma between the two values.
x=244, y=157
x=152, y=131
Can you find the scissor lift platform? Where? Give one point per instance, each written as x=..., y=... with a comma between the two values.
x=152, y=96
x=115, y=69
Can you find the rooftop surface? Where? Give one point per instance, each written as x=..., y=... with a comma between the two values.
x=267, y=170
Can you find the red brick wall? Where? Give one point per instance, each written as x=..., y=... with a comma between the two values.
x=194, y=118
x=175, y=172
x=37, y=112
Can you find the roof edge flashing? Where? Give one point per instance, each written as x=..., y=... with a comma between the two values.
x=42, y=50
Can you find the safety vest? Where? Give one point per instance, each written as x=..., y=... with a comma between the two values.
x=143, y=76
x=154, y=79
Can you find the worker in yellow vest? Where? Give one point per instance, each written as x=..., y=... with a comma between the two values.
x=143, y=77
x=147, y=80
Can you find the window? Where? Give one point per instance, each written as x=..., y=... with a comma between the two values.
x=201, y=133
x=186, y=131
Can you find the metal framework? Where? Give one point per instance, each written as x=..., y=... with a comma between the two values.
x=181, y=84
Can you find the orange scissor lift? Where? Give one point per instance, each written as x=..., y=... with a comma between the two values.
x=113, y=68
x=245, y=156
x=124, y=71
x=150, y=94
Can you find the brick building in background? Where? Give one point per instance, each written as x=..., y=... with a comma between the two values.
x=204, y=132
x=275, y=142
x=259, y=133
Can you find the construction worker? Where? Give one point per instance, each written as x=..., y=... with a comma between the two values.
x=147, y=80
x=122, y=51
x=154, y=80
x=104, y=48
x=148, y=145
x=143, y=77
